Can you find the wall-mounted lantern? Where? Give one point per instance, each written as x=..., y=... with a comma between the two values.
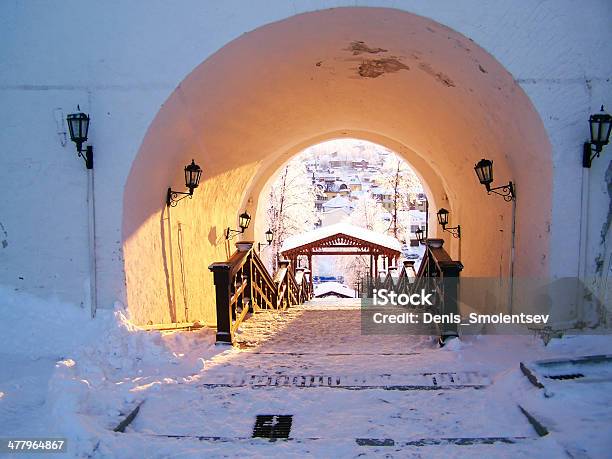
x=600, y=125
x=269, y=239
x=78, y=125
x=243, y=222
x=420, y=235
x=443, y=221
x=484, y=171
x=193, y=173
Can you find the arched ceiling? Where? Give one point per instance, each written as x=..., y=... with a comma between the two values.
x=424, y=87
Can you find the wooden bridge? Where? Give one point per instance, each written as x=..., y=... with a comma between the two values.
x=243, y=284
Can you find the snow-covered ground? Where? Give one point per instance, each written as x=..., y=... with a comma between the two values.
x=62, y=374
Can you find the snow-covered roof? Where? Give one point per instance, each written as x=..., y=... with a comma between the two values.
x=336, y=210
x=338, y=202
x=383, y=191
x=333, y=287
x=341, y=228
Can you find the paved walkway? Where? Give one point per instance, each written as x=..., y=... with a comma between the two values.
x=348, y=395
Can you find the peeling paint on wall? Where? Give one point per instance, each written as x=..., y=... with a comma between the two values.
x=359, y=47
x=439, y=76
x=377, y=67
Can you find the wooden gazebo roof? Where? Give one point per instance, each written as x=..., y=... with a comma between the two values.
x=341, y=239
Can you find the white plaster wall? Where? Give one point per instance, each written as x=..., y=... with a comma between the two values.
x=121, y=60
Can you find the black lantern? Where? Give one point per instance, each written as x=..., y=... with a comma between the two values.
x=78, y=125
x=419, y=235
x=193, y=173
x=244, y=219
x=484, y=172
x=269, y=238
x=443, y=221
x=600, y=125
x=443, y=217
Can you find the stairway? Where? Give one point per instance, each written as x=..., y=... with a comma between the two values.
x=311, y=376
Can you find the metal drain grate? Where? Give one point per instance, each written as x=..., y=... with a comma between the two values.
x=408, y=381
x=564, y=377
x=272, y=426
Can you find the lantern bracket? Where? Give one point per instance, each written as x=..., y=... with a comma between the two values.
x=454, y=230
x=269, y=239
x=588, y=155
x=230, y=233
x=244, y=219
x=87, y=156
x=508, y=191
x=172, y=197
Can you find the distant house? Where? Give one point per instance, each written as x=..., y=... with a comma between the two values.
x=384, y=196
x=354, y=183
x=336, y=188
x=339, y=202
x=360, y=164
x=333, y=289
x=421, y=202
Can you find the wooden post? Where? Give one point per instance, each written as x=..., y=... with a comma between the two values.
x=248, y=272
x=311, y=271
x=409, y=266
x=300, y=298
x=308, y=273
x=376, y=271
x=221, y=275
x=450, y=275
x=450, y=278
x=284, y=264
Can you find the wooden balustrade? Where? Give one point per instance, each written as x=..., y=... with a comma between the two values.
x=438, y=273
x=243, y=285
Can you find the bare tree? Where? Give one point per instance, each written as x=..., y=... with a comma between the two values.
x=404, y=185
x=291, y=206
x=368, y=214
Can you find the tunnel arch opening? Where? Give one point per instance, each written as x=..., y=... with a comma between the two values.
x=328, y=170
x=384, y=75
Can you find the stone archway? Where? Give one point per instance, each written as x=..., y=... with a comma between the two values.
x=443, y=101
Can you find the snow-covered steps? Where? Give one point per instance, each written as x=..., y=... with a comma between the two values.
x=323, y=330
x=140, y=445
x=366, y=442
x=332, y=414
x=347, y=395
x=407, y=381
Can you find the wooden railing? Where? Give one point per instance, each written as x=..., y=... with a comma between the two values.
x=243, y=285
x=399, y=283
x=438, y=273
